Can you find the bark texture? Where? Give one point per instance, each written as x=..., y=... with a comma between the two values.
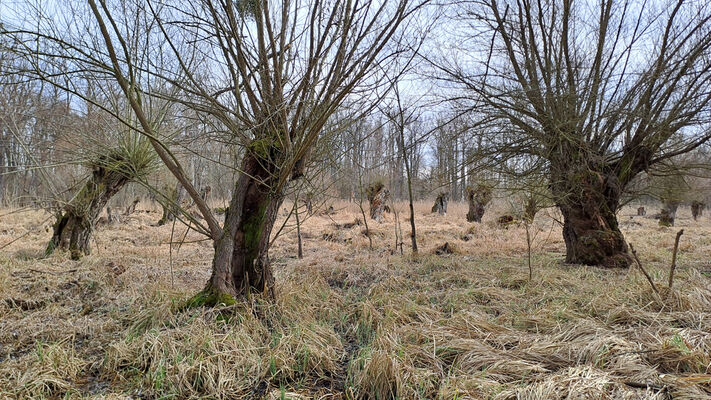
x=241, y=263
x=132, y=207
x=697, y=209
x=169, y=205
x=478, y=197
x=440, y=204
x=76, y=221
x=309, y=203
x=531, y=207
x=667, y=216
x=589, y=200
x=378, y=197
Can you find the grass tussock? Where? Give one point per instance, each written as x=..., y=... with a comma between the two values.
x=354, y=323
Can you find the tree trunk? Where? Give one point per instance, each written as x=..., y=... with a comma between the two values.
x=132, y=207
x=378, y=197
x=697, y=209
x=75, y=223
x=531, y=208
x=300, y=245
x=170, y=204
x=668, y=214
x=477, y=198
x=2, y=177
x=309, y=203
x=413, y=228
x=588, y=201
x=440, y=204
x=241, y=262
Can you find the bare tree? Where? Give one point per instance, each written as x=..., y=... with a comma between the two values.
x=110, y=172
x=594, y=113
x=401, y=117
x=268, y=76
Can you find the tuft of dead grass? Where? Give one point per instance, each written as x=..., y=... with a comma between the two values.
x=351, y=323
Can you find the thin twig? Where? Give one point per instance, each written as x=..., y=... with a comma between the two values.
x=673, y=264
x=639, y=264
x=645, y=385
x=300, y=252
x=70, y=271
x=170, y=255
x=528, y=244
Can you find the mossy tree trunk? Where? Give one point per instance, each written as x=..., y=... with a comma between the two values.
x=75, y=223
x=589, y=201
x=241, y=262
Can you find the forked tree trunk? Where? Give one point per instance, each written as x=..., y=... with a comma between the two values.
x=241, y=261
x=531, y=208
x=588, y=201
x=440, y=204
x=75, y=223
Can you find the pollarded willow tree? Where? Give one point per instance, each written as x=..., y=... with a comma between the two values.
x=268, y=75
x=130, y=160
x=598, y=92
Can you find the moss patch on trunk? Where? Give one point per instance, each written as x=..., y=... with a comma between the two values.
x=209, y=297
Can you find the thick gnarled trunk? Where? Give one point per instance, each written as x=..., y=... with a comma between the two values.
x=697, y=209
x=241, y=263
x=440, y=204
x=170, y=204
x=378, y=196
x=588, y=201
x=75, y=223
x=478, y=198
x=668, y=214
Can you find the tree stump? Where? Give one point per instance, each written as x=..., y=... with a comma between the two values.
x=478, y=197
x=697, y=209
x=378, y=197
x=641, y=212
x=112, y=217
x=446, y=248
x=440, y=204
x=170, y=204
x=205, y=192
x=668, y=213
x=131, y=208
x=505, y=221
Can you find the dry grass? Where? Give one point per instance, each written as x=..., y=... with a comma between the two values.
x=354, y=323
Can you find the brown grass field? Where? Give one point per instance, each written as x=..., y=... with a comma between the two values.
x=354, y=323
